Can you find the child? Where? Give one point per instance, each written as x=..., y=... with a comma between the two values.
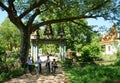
x=48, y=64
x=54, y=66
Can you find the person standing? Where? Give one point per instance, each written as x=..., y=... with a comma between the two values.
x=39, y=62
x=29, y=64
x=48, y=64
x=54, y=66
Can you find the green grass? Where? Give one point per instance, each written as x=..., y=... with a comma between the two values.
x=108, y=57
x=93, y=74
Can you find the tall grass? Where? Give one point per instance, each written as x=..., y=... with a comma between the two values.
x=93, y=74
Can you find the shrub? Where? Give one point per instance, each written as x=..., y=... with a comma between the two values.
x=86, y=54
x=118, y=54
x=91, y=52
x=118, y=58
x=67, y=63
x=10, y=74
x=117, y=63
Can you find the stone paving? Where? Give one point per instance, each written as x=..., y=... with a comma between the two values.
x=59, y=77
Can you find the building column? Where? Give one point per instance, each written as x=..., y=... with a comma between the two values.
x=64, y=52
x=62, y=49
x=34, y=51
x=60, y=54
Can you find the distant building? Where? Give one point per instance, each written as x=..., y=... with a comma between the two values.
x=111, y=41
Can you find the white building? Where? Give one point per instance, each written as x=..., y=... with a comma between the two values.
x=111, y=41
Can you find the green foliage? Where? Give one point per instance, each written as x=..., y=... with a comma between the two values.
x=10, y=74
x=117, y=62
x=2, y=52
x=118, y=54
x=9, y=35
x=67, y=63
x=77, y=36
x=2, y=58
x=49, y=48
x=90, y=52
x=95, y=49
x=2, y=49
x=118, y=58
x=9, y=62
x=9, y=67
x=68, y=8
x=86, y=53
x=25, y=16
x=93, y=74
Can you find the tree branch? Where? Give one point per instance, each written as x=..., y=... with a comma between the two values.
x=3, y=6
x=10, y=3
x=11, y=14
x=31, y=19
x=43, y=10
x=12, y=7
x=36, y=26
x=33, y=6
x=87, y=27
x=97, y=7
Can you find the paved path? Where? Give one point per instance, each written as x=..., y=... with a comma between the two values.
x=59, y=77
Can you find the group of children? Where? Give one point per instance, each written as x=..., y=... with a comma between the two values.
x=39, y=62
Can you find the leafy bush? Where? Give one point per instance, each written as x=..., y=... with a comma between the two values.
x=9, y=74
x=118, y=58
x=90, y=52
x=117, y=62
x=118, y=54
x=2, y=52
x=86, y=54
x=9, y=63
x=67, y=63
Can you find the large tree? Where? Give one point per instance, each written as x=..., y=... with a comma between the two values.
x=29, y=15
x=9, y=35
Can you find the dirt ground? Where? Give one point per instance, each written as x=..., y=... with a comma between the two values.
x=59, y=77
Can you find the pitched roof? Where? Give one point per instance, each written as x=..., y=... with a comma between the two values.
x=110, y=37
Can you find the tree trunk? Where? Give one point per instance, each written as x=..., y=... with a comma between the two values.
x=10, y=46
x=24, y=49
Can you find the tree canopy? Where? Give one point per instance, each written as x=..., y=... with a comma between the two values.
x=9, y=35
x=51, y=11
x=29, y=15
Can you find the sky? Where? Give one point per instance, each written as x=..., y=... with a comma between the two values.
x=99, y=22
x=3, y=15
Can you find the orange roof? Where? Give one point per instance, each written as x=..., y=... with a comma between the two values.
x=108, y=42
x=110, y=37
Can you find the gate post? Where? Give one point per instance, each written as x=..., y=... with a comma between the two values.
x=60, y=54
x=64, y=52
